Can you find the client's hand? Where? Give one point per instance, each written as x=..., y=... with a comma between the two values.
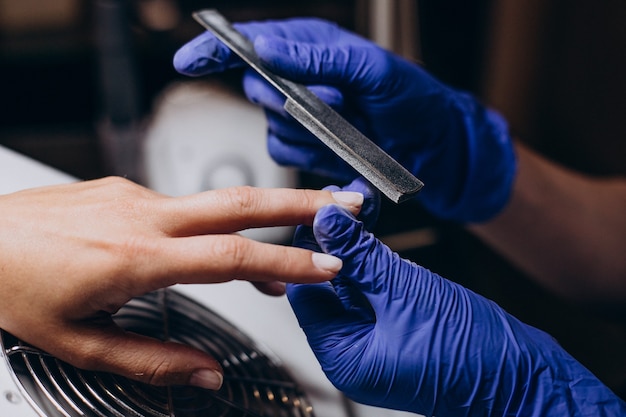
x=72, y=255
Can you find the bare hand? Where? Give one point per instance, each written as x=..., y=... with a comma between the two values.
x=72, y=255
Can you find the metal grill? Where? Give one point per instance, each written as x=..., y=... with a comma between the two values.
x=255, y=384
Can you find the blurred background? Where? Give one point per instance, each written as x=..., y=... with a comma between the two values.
x=88, y=87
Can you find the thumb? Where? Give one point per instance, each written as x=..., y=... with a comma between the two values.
x=367, y=262
x=340, y=65
x=141, y=358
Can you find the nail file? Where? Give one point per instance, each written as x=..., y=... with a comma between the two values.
x=369, y=160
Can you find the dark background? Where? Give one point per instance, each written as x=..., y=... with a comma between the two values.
x=555, y=70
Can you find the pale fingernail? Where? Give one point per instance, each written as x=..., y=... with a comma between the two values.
x=326, y=262
x=348, y=198
x=206, y=378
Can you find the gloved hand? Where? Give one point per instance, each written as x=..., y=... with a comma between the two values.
x=390, y=333
x=461, y=150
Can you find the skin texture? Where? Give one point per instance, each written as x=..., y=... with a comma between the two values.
x=72, y=255
x=566, y=230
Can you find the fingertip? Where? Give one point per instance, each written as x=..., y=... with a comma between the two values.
x=207, y=378
x=188, y=63
x=180, y=60
x=326, y=263
x=159, y=363
x=370, y=209
x=351, y=200
x=203, y=55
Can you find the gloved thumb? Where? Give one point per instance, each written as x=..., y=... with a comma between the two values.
x=367, y=262
x=141, y=358
x=308, y=63
x=370, y=209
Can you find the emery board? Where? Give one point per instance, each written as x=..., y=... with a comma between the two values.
x=369, y=160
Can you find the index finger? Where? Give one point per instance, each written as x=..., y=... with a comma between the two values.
x=238, y=208
x=205, y=54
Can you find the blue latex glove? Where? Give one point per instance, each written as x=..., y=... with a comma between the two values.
x=460, y=149
x=390, y=333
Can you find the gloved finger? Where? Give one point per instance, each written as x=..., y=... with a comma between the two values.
x=338, y=65
x=107, y=348
x=349, y=298
x=353, y=298
x=284, y=133
x=370, y=208
x=205, y=54
x=290, y=144
x=291, y=131
x=310, y=158
x=324, y=302
x=314, y=303
x=326, y=311
x=371, y=200
x=304, y=238
x=260, y=92
x=383, y=277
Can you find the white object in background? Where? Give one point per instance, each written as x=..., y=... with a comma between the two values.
x=202, y=137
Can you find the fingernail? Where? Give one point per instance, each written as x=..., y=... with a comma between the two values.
x=349, y=199
x=327, y=262
x=206, y=378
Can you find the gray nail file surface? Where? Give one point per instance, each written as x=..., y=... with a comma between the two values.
x=385, y=173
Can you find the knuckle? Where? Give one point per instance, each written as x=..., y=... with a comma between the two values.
x=133, y=249
x=234, y=250
x=117, y=183
x=88, y=355
x=309, y=198
x=242, y=199
x=131, y=257
x=126, y=190
x=160, y=371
